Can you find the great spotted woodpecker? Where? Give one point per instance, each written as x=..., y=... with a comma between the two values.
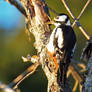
x=62, y=44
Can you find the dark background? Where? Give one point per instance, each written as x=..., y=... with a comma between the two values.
x=14, y=42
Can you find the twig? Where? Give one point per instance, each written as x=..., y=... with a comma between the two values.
x=52, y=10
x=76, y=75
x=68, y=9
x=18, y=6
x=5, y=88
x=77, y=22
x=74, y=71
x=30, y=70
x=82, y=11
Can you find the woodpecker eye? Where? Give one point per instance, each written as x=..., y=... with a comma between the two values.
x=57, y=17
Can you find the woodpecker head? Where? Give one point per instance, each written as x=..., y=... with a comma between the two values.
x=62, y=19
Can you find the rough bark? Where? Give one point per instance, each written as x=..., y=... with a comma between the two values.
x=87, y=87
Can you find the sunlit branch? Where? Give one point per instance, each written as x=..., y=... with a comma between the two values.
x=77, y=22
x=75, y=73
x=52, y=10
x=18, y=6
x=82, y=11
x=5, y=88
x=30, y=70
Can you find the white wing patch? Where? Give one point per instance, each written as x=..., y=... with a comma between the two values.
x=50, y=45
x=59, y=36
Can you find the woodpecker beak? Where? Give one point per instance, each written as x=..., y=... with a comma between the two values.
x=54, y=19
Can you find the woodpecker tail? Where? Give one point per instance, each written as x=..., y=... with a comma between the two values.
x=63, y=71
x=63, y=67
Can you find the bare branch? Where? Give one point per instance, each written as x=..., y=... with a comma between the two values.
x=82, y=11
x=52, y=10
x=77, y=22
x=30, y=70
x=68, y=9
x=5, y=88
x=18, y=6
x=75, y=73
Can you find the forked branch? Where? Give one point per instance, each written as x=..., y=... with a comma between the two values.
x=82, y=11
x=76, y=20
x=30, y=70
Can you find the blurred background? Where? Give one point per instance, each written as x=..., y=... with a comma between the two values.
x=14, y=42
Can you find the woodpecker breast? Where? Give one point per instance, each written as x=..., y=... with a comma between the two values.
x=57, y=34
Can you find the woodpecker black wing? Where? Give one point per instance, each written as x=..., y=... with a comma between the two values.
x=65, y=52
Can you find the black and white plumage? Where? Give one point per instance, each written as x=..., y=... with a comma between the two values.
x=62, y=43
